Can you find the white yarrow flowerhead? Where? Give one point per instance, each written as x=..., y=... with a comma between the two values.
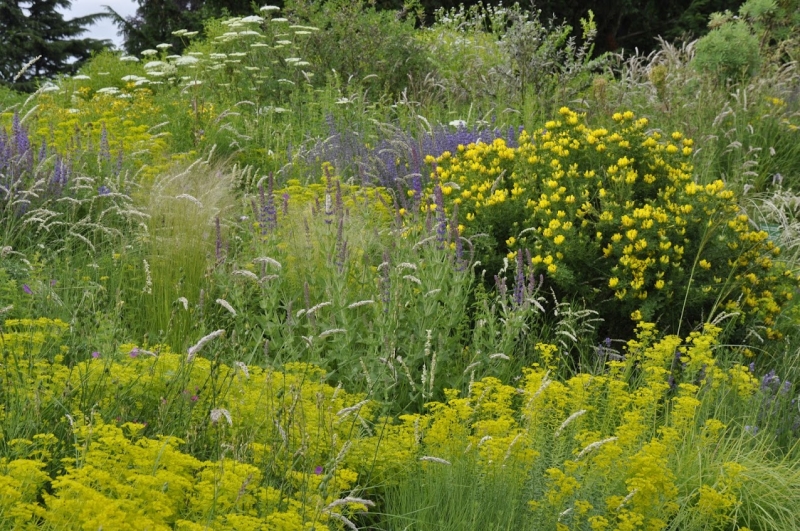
x=253, y=19
x=149, y=52
x=81, y=76
x=269, y=9
x=129, y=58
x=163, y=46
x=217, y=414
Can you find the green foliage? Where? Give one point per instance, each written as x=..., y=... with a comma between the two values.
x=357, y=41
x=730, y=52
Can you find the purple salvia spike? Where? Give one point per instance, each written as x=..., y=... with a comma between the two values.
x=271, y=212
x=262, y=212
x=105, y=149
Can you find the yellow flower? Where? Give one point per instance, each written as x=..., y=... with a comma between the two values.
x=659, y=284
x=612, y=282
x=637, y=315
x=705, y=264
x=552, y=268
x=558, y=240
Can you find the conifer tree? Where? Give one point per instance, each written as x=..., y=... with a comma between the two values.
x=35, y=28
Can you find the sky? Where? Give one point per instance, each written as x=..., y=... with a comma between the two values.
x=103, y=29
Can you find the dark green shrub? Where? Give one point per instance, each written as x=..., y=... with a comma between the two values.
x=357, y=41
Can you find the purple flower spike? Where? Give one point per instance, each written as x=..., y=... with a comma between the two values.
x=134, y=352
x=27, y=289
x=95, y=354
x=319, y=470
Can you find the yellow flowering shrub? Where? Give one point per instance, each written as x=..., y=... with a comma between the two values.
x=616, y=216
x=128, y=116
x=603, y=449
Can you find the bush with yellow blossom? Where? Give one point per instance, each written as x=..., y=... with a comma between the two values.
x=617, y=217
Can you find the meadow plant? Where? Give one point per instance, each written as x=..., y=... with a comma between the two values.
x=614, y=216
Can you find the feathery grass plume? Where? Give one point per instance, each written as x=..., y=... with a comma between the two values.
x=360, y=303
x=25, y=68
x=568, y=422
x=319, y=306
x=343, y=519
x=203, y=340
x=349, y=499
x=594, y=446
x=219, y=413
x=243, y=368
x=148, y=279
x=432, y=459
x=245, y=273
x=185, y=302
x=346, y=411
x=332, y=331
x=225, y=304
x=267, y=260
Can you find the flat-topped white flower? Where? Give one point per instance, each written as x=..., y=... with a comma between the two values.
x=129, y=58
x=253, y=19
x=249, y=32
x=149, y=52
x=154, y=64
x=163, y=46
x=81, y=76
x=279, y=19
x=268, y=9
x=186, y=60
x=108, y=90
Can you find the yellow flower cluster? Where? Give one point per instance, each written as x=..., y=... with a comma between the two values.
x=607, y=453
x=129, y=122
x=288, y=447
x=615, y=214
